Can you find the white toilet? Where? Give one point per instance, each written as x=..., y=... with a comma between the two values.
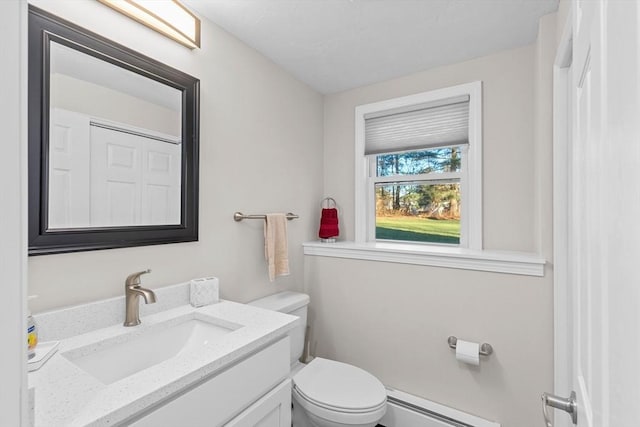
x=326, y=393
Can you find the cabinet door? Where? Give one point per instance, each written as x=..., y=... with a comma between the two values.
x=272, y=410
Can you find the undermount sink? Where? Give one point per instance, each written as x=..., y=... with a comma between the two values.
x=111, y=361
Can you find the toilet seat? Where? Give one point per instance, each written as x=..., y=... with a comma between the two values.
x=337, y=416
x=339, y=392
x=337, y=408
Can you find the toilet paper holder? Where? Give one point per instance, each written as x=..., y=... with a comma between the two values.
x=485, y=348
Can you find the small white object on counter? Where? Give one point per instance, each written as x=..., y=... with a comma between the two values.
x=43, y=352
x=204, y=291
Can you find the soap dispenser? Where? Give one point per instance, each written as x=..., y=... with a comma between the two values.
x=32, y=333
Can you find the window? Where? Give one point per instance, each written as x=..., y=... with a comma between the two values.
x=417, y=195
x=418, y=168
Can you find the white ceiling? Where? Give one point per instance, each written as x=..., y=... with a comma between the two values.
x=335, y=45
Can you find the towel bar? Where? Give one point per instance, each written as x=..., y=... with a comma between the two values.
x=239, y=216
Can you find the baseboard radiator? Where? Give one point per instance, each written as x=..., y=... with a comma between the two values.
x=406, y=410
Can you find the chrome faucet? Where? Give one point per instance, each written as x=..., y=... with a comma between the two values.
x=132, y=291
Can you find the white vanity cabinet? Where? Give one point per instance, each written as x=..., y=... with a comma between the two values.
x=253, y=392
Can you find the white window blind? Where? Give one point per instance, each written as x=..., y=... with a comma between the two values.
x=434, y=124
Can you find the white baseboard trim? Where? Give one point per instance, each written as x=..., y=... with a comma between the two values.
x=406, y=410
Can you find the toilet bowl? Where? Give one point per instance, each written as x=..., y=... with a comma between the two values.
x=326, y=393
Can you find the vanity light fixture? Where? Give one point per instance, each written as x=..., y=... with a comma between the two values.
x=168, y=17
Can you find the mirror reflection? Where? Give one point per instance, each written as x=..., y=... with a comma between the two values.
x=114, y=145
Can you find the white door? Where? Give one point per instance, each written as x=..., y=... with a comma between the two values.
x=135, y=179
x=116, y=177
x=69, y=150
x=160, y=182
x=586, y=286
x=596, y=227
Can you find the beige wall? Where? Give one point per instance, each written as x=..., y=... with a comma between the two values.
x=261, y=151
x=394, y=319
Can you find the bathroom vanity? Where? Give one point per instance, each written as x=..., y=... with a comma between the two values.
x=223, y=364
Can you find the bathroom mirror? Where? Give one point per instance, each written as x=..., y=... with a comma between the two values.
x=113, y=143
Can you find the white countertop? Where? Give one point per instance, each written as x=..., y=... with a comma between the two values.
x=65, y=395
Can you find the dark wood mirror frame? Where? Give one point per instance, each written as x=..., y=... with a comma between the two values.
x=45, y=27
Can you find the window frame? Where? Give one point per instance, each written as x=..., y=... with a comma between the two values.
x=471, y=168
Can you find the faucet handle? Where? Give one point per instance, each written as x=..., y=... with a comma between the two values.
x=134, y=279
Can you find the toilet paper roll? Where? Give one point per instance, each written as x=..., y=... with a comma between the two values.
x=204, y=291
x=468, y=352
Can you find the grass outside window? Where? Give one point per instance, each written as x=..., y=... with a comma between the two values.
x=416, y=229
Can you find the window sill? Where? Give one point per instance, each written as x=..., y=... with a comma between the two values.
x=522, y=263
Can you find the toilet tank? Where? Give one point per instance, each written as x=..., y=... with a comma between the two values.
x=294, y=303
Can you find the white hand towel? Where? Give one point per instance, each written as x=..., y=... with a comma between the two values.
x=276, y=249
